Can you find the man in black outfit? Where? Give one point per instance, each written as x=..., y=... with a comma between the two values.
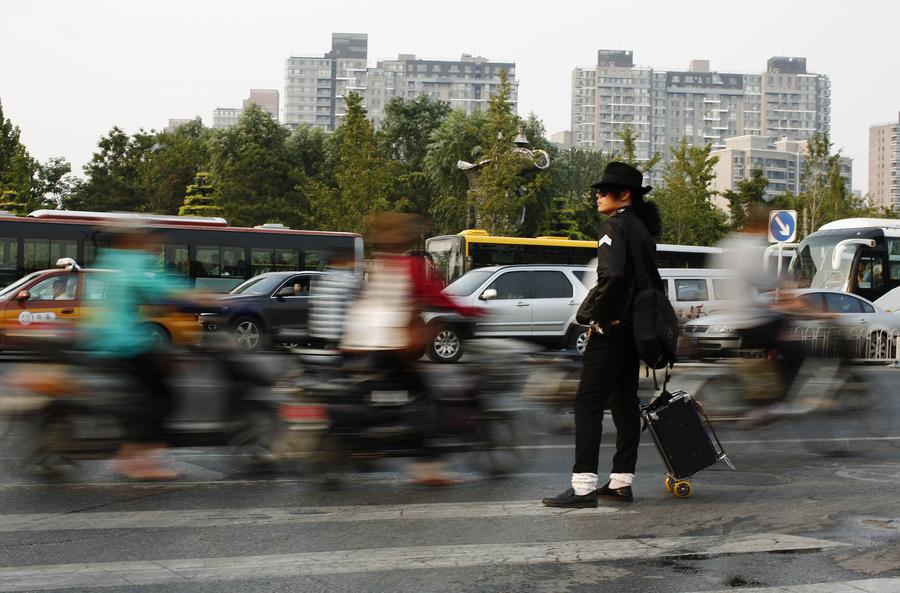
x=609, y=375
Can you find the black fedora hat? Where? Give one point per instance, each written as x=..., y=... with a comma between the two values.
x=622, y=175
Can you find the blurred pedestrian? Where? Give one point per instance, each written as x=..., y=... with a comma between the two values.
x=114, y=333
x=385, y=321
x=330, y=295
x=610, y=366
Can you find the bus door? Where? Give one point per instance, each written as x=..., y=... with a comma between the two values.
x=509, y=312
x=870, y=276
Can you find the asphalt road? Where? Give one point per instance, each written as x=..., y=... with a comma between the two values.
x=788, y=519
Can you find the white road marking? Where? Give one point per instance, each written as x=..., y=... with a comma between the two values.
x=185, y=570
x=195, y=518
x=862, y=586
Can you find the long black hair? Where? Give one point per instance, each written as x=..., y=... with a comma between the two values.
x=648, y=212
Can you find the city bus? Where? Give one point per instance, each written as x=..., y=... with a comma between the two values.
x=454, y=255
x=858, y=255
x=206, y=251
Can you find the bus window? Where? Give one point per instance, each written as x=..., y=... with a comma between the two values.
x=869, y=273
x=177, y=260
x=893, y=246
x=315, y=260
x=60, y=249
x=233, y=263
x=286, y=260
x=207, y=261
x=9, y=260
x=37, y=254
x=261, y=261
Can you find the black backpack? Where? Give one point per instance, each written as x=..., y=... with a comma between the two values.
x=654, y=321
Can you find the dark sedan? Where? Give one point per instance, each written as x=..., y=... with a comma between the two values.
x=271, y=307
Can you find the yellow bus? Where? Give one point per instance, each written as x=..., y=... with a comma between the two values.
x=454, y=255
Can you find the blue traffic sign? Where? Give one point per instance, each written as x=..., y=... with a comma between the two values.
x=782, y=226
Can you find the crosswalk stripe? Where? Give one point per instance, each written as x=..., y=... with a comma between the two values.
x=196, y=518
x=185, y=570
x=859, y=586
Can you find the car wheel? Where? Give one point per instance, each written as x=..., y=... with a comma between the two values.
x=446, y=346
x=248, y=333
x=578, y=338
x=159, y=336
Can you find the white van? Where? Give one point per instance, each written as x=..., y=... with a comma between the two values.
x=697, y=292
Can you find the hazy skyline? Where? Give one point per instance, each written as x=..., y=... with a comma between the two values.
x=70, y=71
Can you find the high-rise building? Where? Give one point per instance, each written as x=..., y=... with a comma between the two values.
x=465, y=84
x=884, y=164
x=175, y=123
x=226, y=117
x=781, y=163
x=266, y=99
x=700, y=105
x=315, y=86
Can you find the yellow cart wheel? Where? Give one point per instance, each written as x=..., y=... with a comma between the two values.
x=682, y=489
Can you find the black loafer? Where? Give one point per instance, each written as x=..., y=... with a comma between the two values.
x=569, y=499
x=624, y=493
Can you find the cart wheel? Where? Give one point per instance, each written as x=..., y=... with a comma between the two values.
x=682, y=489
x=670, y=484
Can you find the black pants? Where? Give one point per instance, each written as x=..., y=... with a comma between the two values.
x=609, y=378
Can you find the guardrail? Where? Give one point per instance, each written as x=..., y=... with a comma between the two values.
x=858, y=344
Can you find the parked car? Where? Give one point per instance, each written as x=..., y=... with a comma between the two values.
x=40, y=301
x=271, y=307
x=536, y=303
x=719, y=335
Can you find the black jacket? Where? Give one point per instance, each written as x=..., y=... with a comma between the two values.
x=622, y=238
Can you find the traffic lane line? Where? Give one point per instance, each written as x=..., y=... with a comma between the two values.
x=858, y=586
x=189, y=570
x=196, y=518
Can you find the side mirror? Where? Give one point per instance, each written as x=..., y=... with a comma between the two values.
x=23, y=295
x=488, y=295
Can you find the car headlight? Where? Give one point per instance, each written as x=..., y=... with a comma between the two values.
x=721, y=329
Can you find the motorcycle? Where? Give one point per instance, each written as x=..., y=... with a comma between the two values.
x=357, y=411
x=75, y=408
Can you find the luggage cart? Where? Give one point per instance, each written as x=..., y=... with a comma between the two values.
x=684, y=438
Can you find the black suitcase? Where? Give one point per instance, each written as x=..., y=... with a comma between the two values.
x=684, y=438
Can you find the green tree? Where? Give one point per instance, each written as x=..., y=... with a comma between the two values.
x=685, y=200
x=307, y=151
x=114, y=174
x=17, y=168
x=459, y=138
x=173, y=163
x=10, y=201
x=628, y=155
x=201, y=198
x=53, y=183
x=364, y=180
x=253, y=173
x=573, y=172
x=750, y=191
x=501, y=191
x=404, y=137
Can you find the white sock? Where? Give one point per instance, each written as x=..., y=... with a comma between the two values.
x=584, y=483
x=620, y=480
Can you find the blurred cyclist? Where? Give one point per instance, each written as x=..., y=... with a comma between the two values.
x=385, y=321
x=114, y=333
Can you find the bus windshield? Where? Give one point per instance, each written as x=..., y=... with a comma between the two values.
x=812, y=266
x=447, y=255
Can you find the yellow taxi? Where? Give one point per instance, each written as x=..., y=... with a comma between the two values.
x=50, y=301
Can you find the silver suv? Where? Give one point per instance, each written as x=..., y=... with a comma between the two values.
x=531, y=302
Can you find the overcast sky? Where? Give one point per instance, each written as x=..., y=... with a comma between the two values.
x=72, y=69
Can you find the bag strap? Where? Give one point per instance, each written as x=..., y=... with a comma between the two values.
x=636, y=253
